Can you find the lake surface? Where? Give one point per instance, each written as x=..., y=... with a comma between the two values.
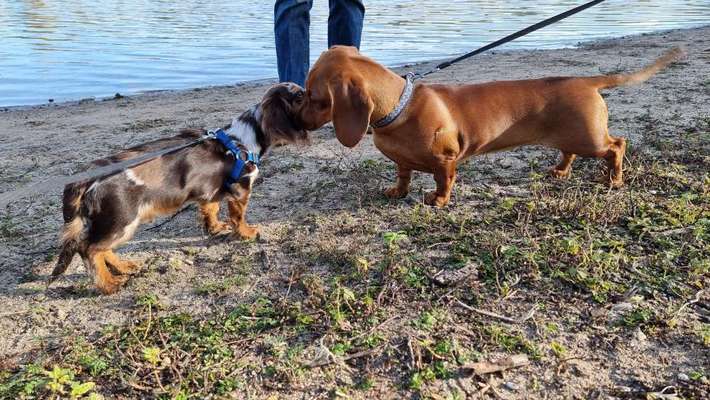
x=73, y=49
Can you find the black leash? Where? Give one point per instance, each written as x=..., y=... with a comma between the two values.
x=511, y=37
x=58, y=183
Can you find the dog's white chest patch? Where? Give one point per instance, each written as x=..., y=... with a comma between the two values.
x=245, y=133
x=252, y=175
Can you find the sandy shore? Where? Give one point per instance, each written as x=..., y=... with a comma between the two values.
x=297, y=185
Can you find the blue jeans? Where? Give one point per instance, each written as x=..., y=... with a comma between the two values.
x=291, y=23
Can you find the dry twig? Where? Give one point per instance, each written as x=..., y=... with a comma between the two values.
x=689, y=302
x=662, y=395
x=385, y=322
x=331, y=358
x=485, y=367
x=509, y=320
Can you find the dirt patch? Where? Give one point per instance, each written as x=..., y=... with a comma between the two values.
x=342, y=296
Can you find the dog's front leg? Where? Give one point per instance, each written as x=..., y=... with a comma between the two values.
x=237, y=205
x=209, y=212
x=444, y=176
x=401, y=188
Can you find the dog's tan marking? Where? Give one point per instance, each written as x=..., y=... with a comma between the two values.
x=106, y=282
x=125, y=267
x=237, y=209
x=209, y=212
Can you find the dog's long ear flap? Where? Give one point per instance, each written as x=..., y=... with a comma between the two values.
x=352, y=108
x=276, y=121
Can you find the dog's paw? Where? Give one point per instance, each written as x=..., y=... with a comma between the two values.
x=395, y=192
x=128, y=267
x=559, y=173
x=610, y=179
x=247, y=231
x=221, y=228
x=433, y=199
x=616, y=183
x=112, y=284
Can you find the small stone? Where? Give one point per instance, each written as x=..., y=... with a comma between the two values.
x=511, y=386
x=683, y=377
x=60, y=313
x=623, y=389
x=618, y=310
x=639, y=335
x=622, y=307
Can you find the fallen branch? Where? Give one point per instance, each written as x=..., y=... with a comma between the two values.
x=669, y=232
x=662, y=395
x=13, y=313
x=369, y=331
x=509, y=320
x=412, y=360
x=485, y=367
x=335, y=359
x=138, y=386
x=687, y=303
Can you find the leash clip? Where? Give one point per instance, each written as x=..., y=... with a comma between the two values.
x=413, y=76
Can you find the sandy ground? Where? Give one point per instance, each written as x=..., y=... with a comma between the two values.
x=37, y=143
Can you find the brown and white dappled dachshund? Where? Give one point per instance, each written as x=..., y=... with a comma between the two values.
x=443, y=125
x=103, y=213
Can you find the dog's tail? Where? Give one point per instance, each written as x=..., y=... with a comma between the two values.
x=610, y=81
x=73, y=227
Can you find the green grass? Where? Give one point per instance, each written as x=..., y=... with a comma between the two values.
x=356, y=289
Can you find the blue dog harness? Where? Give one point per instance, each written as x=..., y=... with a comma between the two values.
x=241, y=156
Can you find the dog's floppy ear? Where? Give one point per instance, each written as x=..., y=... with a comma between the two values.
x=352, y=108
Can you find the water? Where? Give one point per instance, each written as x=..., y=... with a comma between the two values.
x=73, y=49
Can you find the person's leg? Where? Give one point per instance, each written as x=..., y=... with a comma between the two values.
x=291, y=22
x=345, y=22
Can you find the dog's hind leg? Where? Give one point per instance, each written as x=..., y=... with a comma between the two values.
x=209, y=212
x=444, y=176
x=563, y=169
x=401, y=188
x=125, y=267
x=105, y=280
x=615, y=159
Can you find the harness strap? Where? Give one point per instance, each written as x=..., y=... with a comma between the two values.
x=241, y=157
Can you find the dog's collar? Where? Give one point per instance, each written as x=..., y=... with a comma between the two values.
x=241, y=156
x=403, y=101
